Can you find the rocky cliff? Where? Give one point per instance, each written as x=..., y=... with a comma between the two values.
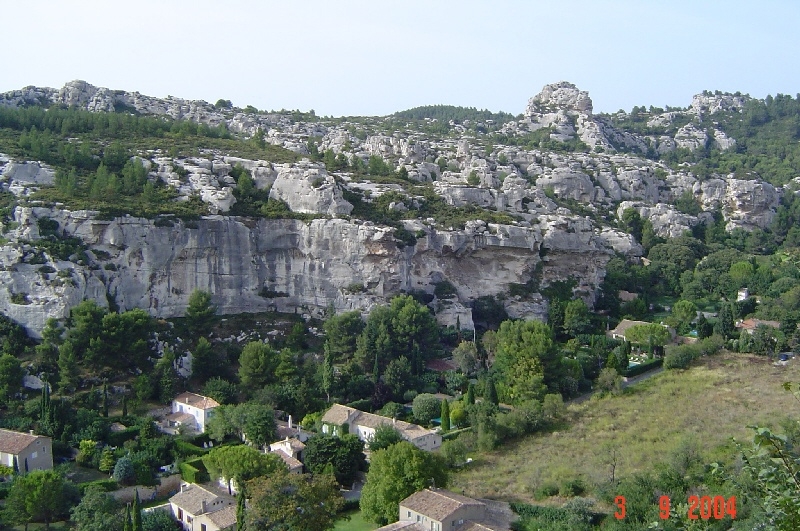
x=258, y=265
x=565, y=207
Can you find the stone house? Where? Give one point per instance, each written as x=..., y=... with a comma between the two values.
x=222, y=520
x=750, y=325
x=291, y=452
x=622, y=327
x=341, y=419
x=191, y=411
x=25, y=452
x=196, y=508
x=442, y=510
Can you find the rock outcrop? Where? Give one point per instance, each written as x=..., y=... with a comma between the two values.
x=563, y=202
x=309, y=189
x=258, y=265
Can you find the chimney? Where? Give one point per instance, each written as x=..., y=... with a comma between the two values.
x=202, y=507
x=290, y=422
x=31, y=432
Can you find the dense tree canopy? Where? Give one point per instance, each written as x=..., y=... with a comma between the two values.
x=39, y=496
x=648, y=334
x=526, y=360
x=394, y=474
x=343, y=456
x=297, y=502
x=404, y=328
x=257, y=365
x=240, y=463
x=97, y=511
x=251, y=422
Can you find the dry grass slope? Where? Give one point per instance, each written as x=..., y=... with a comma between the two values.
x=710, y=403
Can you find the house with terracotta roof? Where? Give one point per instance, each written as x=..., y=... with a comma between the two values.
x=622, y=327
x=442, y=510
x=221, y=520
x=196, y=509
x=291, y=452
x=191, y=411
x=341, y=419
x=750, y=325
x=25, y=452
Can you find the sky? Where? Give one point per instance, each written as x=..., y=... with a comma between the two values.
x=375, y=57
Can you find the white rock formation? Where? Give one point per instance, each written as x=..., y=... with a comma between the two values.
x=310, y=189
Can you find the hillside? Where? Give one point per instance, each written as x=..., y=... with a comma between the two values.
x=280, y=262
x=484, y=205
x=650, y=424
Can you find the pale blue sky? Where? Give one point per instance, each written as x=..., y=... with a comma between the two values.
x=372, y=57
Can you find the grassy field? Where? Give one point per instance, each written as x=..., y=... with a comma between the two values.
x=356, y=523
x=701, y=408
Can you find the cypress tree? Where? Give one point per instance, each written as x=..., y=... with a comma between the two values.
x=127, y=525
x=470, y=394
x=327, y=373
x=491, y=392
x=240, y=510
x=105, y=399
x=445, y=415
x=124, y=406
x=136, y=513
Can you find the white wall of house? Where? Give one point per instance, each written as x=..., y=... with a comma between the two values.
x=201, y=416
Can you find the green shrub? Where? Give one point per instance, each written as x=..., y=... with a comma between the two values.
x=118, y=438
x=546, y=490
x=680, y=357
x=20, y=298
x=571, y=488
x=444, y=289
x=186, y=449
x=194, y=471
x=106, y=485
x=362, y=405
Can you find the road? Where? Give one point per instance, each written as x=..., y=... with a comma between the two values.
x=629, y=382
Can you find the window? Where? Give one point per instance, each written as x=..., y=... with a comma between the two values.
x=180, y=514
x=34, y=455
x=202, y=527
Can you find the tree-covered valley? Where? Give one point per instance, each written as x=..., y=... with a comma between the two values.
x=511, y=281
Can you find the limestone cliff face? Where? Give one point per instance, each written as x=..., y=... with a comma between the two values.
x=287, y=265
x=254, y=265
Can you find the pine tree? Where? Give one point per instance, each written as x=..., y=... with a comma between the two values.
x=445, y=415
x=67, y=367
